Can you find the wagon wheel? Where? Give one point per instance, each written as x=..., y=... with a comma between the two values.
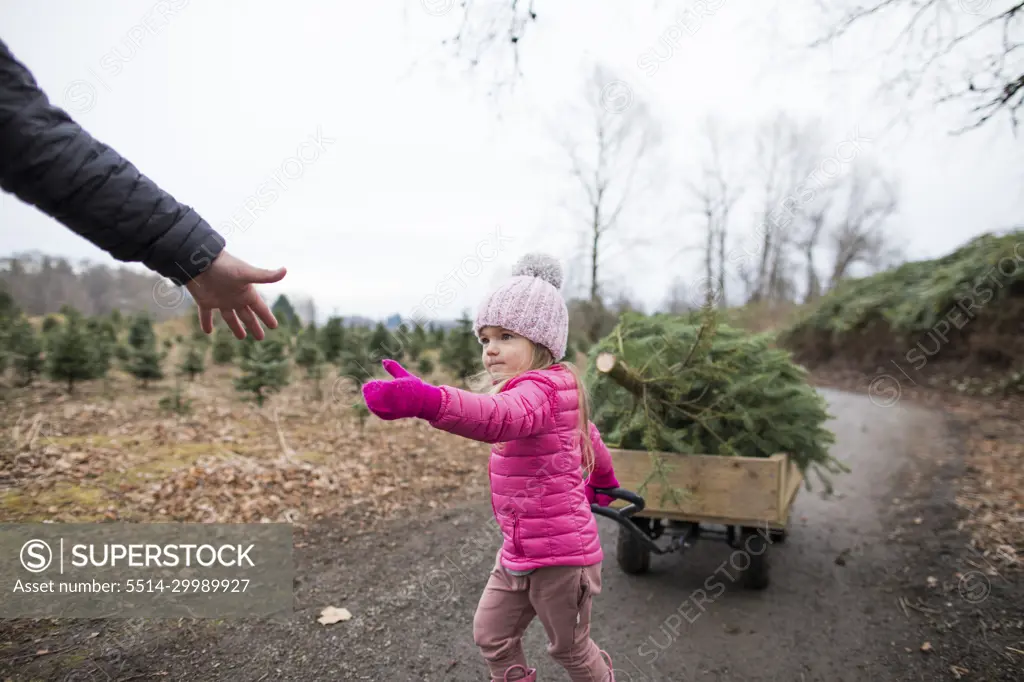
x=632, y=555
x=755, y=545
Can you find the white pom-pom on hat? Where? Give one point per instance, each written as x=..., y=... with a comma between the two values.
x=540, y=265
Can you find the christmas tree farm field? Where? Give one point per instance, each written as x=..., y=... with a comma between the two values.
x=115, y=450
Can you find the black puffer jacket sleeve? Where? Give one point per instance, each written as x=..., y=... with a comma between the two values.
x=49, y=161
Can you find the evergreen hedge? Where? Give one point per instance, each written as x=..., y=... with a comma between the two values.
x=912, y=298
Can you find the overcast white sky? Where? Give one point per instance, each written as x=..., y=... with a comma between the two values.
x=418, y=166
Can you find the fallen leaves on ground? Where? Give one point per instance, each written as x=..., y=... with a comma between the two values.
x=992, y=492
x=109, y=452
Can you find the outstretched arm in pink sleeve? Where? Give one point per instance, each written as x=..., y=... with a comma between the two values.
x=603, y=475
x=525, y=408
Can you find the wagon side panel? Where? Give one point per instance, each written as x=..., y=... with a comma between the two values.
x=709, y=486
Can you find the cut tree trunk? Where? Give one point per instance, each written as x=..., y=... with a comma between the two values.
x=620, y=373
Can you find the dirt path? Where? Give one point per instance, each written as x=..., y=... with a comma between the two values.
x=831, y=612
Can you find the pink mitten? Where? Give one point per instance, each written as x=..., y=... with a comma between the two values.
x=405, y=396
x=605, y=500
x=608, y=480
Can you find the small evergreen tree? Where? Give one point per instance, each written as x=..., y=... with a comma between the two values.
x=224, y=346
x=194, y=362
x=51, y=330
x=69, y=355
x=9, y=312
x=308, y=353
x=25, y=349
x=413, y=342
x=144, y=364
x=310, y=356
x=404, y=337
x=265, y=370
x=356, y=362
x=141, y=333
x=143, y=357
x=419, y=339
x=8, y=308
x=50, y=323
x=104, y=338
x=176, y=401
x=244, y=348
x=382, y=345
x=286, y=316
x=425, y=366
x=437, y=335
x=332, y=339
x=115, y=324
x=357, y=337
x=461, y=350
x=412, y=351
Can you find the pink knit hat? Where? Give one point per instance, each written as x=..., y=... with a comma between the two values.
x=530, y=304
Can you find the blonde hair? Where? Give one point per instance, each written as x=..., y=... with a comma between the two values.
x=483, y=382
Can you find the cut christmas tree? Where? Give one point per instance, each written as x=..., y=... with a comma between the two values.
x=666, y=384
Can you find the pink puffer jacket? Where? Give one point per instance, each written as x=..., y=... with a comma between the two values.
x=538, y=494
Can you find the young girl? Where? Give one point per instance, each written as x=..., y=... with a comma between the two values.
x=546, y=461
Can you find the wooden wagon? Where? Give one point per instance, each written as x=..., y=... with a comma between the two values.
x=745, y=501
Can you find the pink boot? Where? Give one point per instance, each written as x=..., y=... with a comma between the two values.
x=611, y=673
x=531, y=674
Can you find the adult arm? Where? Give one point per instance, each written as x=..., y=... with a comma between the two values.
x=49, y=161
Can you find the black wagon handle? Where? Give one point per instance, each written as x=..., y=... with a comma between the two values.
x=622, y=516
x=637, y=502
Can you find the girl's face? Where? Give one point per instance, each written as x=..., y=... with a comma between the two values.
x=505, y=353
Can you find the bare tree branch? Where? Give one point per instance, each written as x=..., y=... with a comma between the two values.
x=605, y=159
x=490, y=31
x=858, y=236
x=712, y=199
x=787, y=153
x=815, y=219
x=994, y=85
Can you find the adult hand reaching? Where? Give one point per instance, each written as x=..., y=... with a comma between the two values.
x=49, y=161
x=227, y=285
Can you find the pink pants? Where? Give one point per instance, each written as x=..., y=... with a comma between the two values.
x=560, y=596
